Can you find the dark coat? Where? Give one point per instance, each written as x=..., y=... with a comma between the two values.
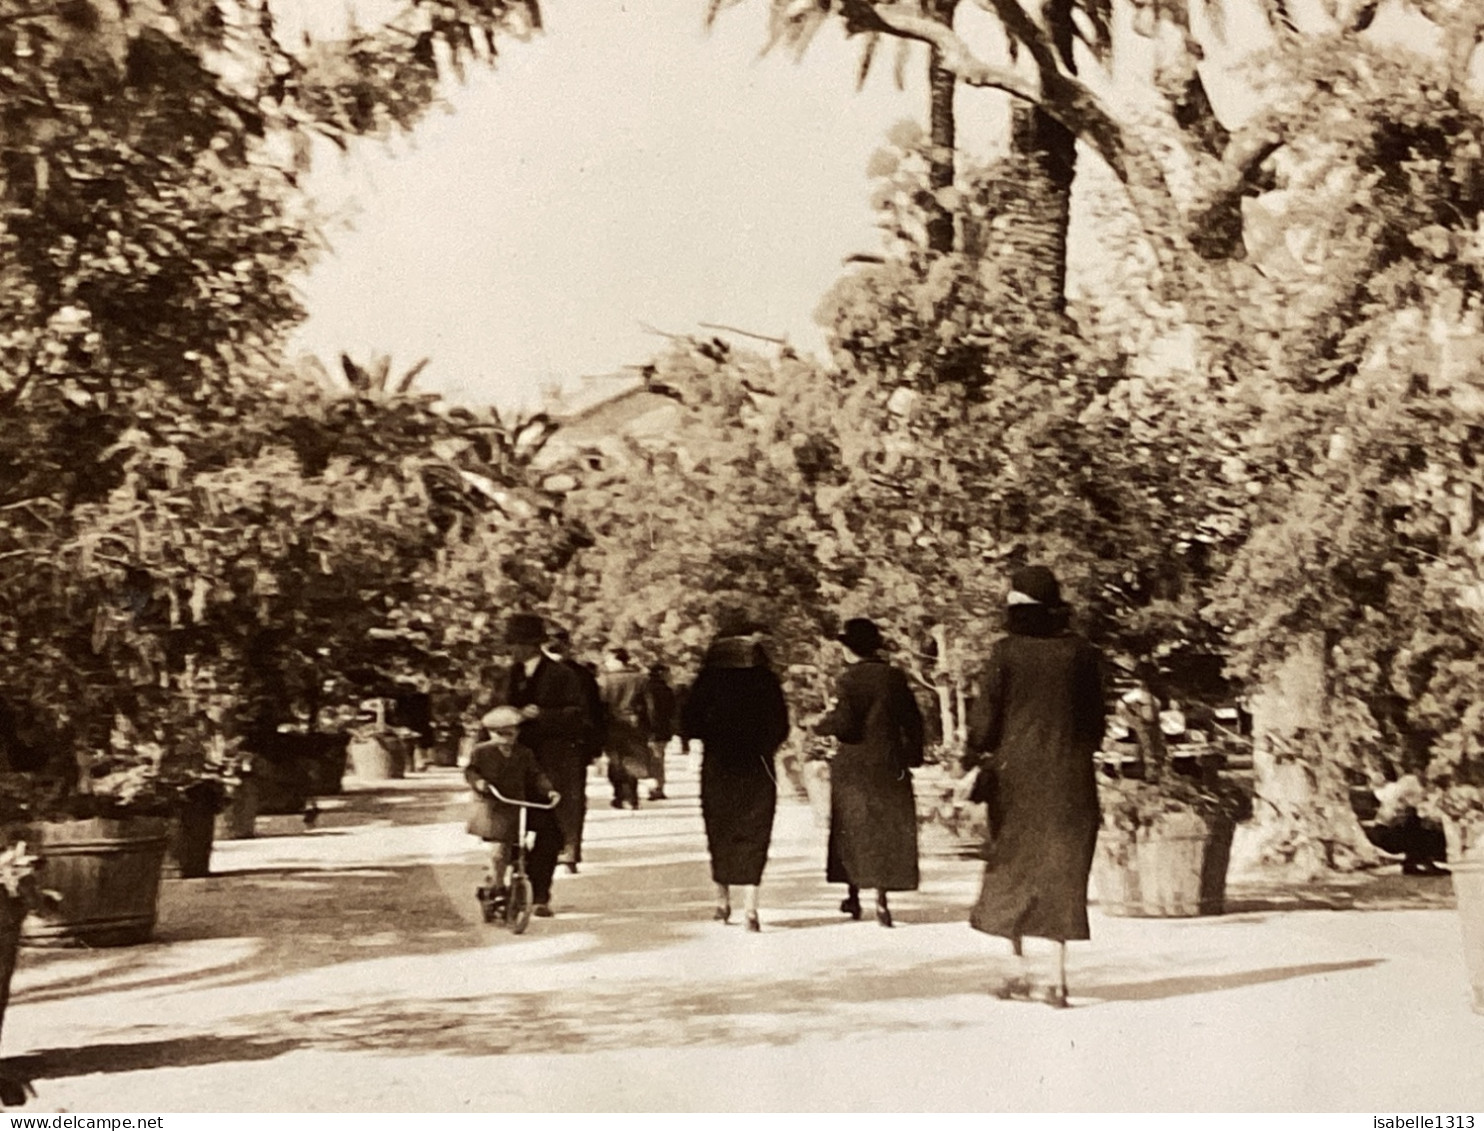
x=629, y=729
x=557, y=737
x=592, y=743
x=513, y=771
x=736, y=708
x=873, y=814
x=663, y=708
x=1036, y=724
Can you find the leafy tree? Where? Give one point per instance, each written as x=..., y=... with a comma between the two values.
x=1355, y=178
x=179, y=523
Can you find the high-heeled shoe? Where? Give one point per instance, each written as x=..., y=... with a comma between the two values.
x=1014, y=988
x=1055, y=996
x=722, y=914
x=851, y=907
x=883, y=913
x=752, y=922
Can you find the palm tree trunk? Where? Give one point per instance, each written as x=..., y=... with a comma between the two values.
x=1050, y=150
x=943, y=130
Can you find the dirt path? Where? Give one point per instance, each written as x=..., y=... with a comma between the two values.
x=345, y=969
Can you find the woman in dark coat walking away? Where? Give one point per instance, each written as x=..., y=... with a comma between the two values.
x=873, y=814
x=736, y=708
x=1035, y=728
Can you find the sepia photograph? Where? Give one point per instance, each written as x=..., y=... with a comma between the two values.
x=730, y=556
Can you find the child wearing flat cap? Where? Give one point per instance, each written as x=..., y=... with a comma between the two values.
x=501, y=763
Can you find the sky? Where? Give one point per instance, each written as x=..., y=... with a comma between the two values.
x=625, y=169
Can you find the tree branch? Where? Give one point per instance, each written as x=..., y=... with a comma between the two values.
x=1062, y=96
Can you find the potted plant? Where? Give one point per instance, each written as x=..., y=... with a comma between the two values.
x=203, y=795
x=1165, y=838
x=379, y=750
x=105, y=834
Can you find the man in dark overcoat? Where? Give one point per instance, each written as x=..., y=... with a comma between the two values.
x=559, y=647
x=551, y=700
x=624, y=688
x=873, y=814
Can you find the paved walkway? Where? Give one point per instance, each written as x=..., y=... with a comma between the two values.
x=345, y=969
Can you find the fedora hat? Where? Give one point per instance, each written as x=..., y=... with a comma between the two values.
x=862, y=636
x=525, y=628
x=1035, y=585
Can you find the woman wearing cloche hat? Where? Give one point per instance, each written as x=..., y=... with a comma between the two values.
x=1034, y=730
x=873, y=816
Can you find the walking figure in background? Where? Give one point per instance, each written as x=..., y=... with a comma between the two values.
x=873, y=814
x=663, y=720
x=555, y=711
x=501, y=764
x=625, y=691
x=559, y=647
x=736, y=710
x=1034, y=730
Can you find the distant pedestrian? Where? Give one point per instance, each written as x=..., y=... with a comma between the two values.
x=664, y=719
x=737, y=711
x=1035, y=728
x=625, y=691
x=551, y=700
x=873, y=813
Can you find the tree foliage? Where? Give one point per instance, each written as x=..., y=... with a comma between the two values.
x=193, y=540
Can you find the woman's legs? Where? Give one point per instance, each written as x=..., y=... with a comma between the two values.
x=1019, y=982
x=851, y=904
x=1056, y=994
x=1018, y=985
x=883, y=912
x=749, y=906
x=723, y=903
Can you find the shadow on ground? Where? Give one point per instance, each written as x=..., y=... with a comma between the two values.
x=1372, y=891
x=770, y=1011
x=266, y=923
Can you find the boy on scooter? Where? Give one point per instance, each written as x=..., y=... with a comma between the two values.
x=507, y=766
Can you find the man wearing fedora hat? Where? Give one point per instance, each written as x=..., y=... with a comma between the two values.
x=873, y=815
x=555, y=722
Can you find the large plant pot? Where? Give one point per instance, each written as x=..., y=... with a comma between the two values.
x=239, y=820
x=191, y=836
x=379, y=759
x=1468, y=885
x=1172, y=868
x=283, y=783
x=107, y=874
x=327, y=764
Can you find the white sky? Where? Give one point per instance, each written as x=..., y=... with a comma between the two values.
x=623, y=168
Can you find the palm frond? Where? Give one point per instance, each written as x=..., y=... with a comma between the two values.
x=358, y=378
x=405, y=381
x=868, y=54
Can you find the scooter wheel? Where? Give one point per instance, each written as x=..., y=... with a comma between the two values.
x=518, y=910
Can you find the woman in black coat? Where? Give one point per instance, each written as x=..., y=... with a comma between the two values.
x=1035, y=728
x=873, y=814
x=736, y=709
